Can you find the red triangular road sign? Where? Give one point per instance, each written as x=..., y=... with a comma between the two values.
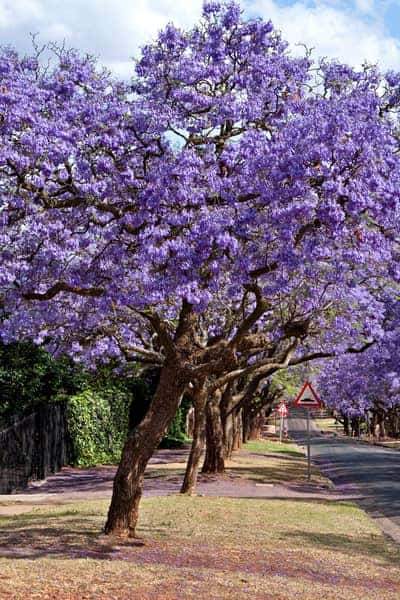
x=282, y=409
x=307, y=397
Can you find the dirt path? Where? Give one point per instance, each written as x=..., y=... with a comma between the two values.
x=163, y=476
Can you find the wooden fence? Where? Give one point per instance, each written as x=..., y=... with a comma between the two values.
x=33, y=447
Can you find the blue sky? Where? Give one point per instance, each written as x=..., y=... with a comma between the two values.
x=351, y=30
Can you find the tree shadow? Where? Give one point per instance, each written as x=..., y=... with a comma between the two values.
x=370, y=546
x=63, y=535
x=271, y=473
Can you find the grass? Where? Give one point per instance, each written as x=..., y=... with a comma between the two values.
x=270, y=461
x=395, y=444
x=287, y=447
x=201, y=547
x=328, y=424
x=264, y=461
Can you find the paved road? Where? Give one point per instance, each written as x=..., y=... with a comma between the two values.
x=371, y=472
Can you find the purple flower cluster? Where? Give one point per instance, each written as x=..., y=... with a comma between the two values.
x=228, y=166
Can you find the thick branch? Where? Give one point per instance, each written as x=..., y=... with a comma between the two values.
x=319, y=355
x=62, y=286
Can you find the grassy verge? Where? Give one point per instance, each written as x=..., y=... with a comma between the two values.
x=269, y=461
x=394, y=444
x=200, y=547
x=328, y=424
x=263, y=461
x=287, y=447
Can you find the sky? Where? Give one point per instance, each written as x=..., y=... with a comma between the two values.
x=114, y=30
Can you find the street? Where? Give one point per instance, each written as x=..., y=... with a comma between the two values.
x=371, y=471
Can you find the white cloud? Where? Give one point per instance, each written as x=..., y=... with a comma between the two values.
x=115, y=30
x=334, y=29
x=366, y=6
x=21, y=11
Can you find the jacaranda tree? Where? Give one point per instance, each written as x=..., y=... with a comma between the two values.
x=230, y=212
x=367, y=386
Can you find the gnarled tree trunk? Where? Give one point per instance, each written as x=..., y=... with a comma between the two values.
x=252, y=424
x=227, y=421
x=138, y=449
x=192, y=467
x=346, y=425
x=214, y=459
x=237, y=430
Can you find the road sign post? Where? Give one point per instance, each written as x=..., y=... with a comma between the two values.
x=308, y=399
x=308, y=446
x=283, y=412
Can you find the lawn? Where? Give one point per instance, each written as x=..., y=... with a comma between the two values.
x=264, y=461
x=200, y=547
x=328, y=424
x=287, y=447
x=204, y=547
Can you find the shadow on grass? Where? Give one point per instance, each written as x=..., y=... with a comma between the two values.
x=271, y=474
x=65, y=534
x=71, y=535
x=374, y=547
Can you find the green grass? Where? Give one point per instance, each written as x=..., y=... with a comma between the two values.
x=392, y=444
x=328, y=424
x=200, y=547
x=203, y=547
x=266, y=446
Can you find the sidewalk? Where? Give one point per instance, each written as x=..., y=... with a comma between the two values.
x=249, y=475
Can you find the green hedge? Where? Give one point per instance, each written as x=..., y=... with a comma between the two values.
x=100, y=404
x=29, y=376
x=98, y=425
x=176, y=434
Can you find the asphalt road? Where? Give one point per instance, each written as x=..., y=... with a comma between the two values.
x=372, y=473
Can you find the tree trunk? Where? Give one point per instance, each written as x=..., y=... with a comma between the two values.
x=238, y=430
x=252, y=423
x=227, y=417
x=382, y=428
x=232, y=426
x=214, y=459
x=355, y=427
x=192, y=467
x=346, y=425
x=138, y=449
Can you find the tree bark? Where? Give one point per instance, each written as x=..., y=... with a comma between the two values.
x=238, y=430
x=227, y=421
x=346, y=425
x=252, y=425
x=138, y=449
x=232, y=427
x=355, y=427
x=214, y=459
x=192, y=467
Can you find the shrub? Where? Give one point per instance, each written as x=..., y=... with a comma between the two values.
x=97, y=424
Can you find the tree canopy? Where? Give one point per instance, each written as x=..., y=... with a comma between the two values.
x=231, y=211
